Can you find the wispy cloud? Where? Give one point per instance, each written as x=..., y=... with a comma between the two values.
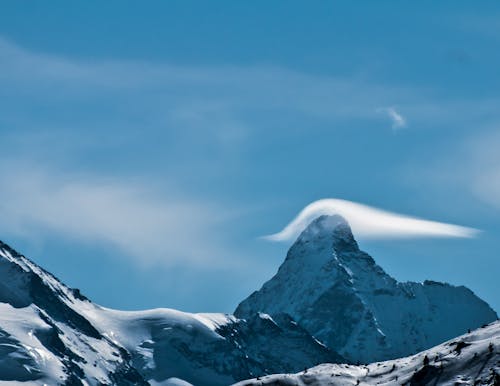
x=369, y=222
x=181, y=95
x=398, y=121
x=148, y=226
x=225, y=105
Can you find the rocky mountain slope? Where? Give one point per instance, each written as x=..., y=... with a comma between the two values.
x=342, y=297
x=470, y=359
x=51, y=334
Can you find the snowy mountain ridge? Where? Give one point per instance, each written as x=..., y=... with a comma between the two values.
x=51, y=334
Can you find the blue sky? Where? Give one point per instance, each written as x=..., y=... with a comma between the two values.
x=147, y=147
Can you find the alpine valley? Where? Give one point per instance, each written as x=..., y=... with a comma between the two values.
x=329, y=305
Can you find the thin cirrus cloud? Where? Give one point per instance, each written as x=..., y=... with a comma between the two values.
x=369, y=222
x=147, y=226
x=209, y=104
x=221, y=96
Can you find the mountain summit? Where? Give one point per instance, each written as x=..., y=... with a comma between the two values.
x=342, y=297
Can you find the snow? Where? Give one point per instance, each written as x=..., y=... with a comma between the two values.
x=171, y=382
x=153, y=337
x=215, y=321
x=474, y=364
x=266, y=316
x=23, y=356
x=43, y=337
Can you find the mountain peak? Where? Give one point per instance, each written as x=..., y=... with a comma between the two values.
x=333, y=229
x=342, y=297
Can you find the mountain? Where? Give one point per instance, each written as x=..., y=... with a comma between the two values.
x=51, y=334
x=470, y=359
x=328, y=303
x=343, y=298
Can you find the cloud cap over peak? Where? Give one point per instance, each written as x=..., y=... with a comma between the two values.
x=370, y=222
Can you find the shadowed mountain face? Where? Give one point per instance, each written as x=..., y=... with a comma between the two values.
x=51, y=334
x=343, y=298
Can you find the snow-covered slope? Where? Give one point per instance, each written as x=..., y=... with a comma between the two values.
x=342, y=297
x=208, y=349
x=51, y=334
x=44, y=340
x=470, y=359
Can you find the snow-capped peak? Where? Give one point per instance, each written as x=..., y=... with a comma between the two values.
x=342, y=297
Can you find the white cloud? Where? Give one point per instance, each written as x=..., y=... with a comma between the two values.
x=369, y=222
x=149, y=227
x=398, y=121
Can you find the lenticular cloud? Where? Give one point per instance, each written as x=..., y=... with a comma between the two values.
x=369, y=222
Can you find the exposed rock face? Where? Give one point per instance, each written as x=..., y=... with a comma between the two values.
x=342, y=297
